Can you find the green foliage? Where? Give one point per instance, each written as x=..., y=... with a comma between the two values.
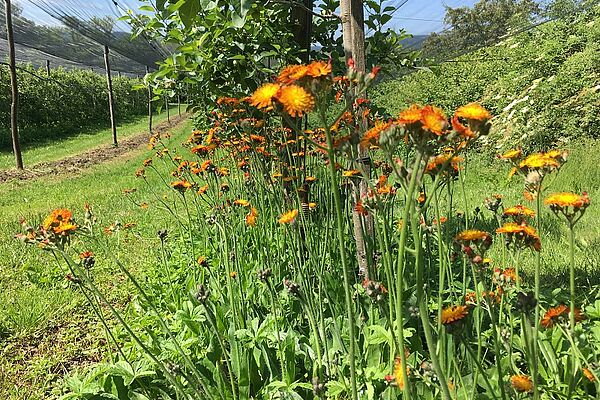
x=65, y=104
x=542, y=85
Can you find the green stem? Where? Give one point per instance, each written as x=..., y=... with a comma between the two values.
x=342, y=247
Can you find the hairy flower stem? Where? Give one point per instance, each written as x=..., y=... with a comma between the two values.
x=400, y=273
x=538, y=264
x=117, y=315
x=572, y=299
x=424, y=308
x=213, y=323
x=284, y=373
x=346, y=274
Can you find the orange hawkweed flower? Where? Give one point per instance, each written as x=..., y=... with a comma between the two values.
x=296, y=100
x=473, y=111
x=521, y=383
x=252, y=217
x=181, y=185
x=263, y=96
x=553, y=314
x=433, y=119
x=398, y=374
x=203, y=189
x=410, y=116
x=288, y=217
x=372, y=135
x=512, y=154
x=317, y=69
x=519, y=211
x=567, y=199
x=241, y=202
x=588, y=374
x=292, y=73
x=472, y=235
x=453, y=314
x=59, y=222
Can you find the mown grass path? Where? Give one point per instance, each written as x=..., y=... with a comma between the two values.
x=46, y=329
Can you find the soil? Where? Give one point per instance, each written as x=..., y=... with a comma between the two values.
x=78, y=162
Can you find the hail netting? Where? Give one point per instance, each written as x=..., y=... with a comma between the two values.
x=72, y=34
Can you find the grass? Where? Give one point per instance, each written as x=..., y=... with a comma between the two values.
x=45, y=329
x=33, y=154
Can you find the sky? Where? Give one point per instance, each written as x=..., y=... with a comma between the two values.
x=418, y=17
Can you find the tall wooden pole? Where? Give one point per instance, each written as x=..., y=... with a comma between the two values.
x=48, y=67
x=149, y=104
x=111, y=102
x=167, y=107
x=14, y=108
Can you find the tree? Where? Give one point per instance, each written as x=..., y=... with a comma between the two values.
x=481, y=25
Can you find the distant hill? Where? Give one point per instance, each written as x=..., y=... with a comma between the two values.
x=414, y=42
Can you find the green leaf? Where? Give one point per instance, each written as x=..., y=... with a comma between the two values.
x=188, y=11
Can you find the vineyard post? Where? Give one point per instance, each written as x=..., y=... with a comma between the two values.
x=111, y=102
x=14, y=109
x=48, y=67
x=149, y=104
x=179, y=104
x=167, y=107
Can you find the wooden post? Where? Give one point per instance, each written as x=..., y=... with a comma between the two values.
x=14, y=108
x=48, y=67
x=111, y=102
x=167, y=107
x=149, y=104
x=179, y=104
x=119, y=72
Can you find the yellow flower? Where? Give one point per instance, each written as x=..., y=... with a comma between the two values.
x=295, y=100
x=453, y=313
x=241, y=202
x=567, y=199
x=471, y=235
x=351, y=173
x=512, y=154
x=521, y=383
x=473, y=111
x=289, y=217
x=539, y=161
x=264, y=95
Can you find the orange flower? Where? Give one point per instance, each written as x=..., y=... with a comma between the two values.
x=588, y=374
x=521, y=383
x=512, y=154
x=519, y=211
x=434, y=166
x=452, y=314
x=317, y=69
x=241, y=202
x=372, y=135
x=472, y=235
x=252, y=217
x=351, y=173
x=410, y=116
x=473, y=111
x=567, y=199
x=181, y=185
x=398, y=375
x=59, y=222
x=203, y=189
x=86, y=254
x=295, y=100
x=553, y=315
x=263, y=96
x=292, y=73
x=433, y=119
x=289, y=217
